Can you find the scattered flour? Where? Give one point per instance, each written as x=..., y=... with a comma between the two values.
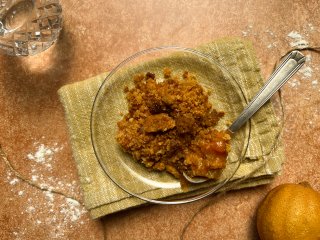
x=270, y=32
x=311, y=27
x=308, y=58
x=62, y=213
x=44, y=154
x=56, y=212
x=272, y=45
x=295, y=35
x=49, y=196
x=306, y=72
x=30, y=209
x=244, y=33
x=14, y=181
x=298, y=40
x=294, y=83
x=34, y=178
x=314, y=82
x=272, y=37
x=247, y=31
x=72, y=209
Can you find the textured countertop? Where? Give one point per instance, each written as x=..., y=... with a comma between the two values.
x=97, y=35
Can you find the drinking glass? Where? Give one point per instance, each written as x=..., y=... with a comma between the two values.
x=28, y=27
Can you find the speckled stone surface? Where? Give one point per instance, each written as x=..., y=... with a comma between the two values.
x=97, y=35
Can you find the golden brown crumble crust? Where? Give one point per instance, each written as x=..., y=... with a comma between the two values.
x=170, y=126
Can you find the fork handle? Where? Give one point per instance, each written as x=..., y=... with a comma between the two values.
x=290, y=65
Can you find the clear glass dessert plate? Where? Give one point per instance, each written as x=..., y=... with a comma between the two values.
x=110, y=103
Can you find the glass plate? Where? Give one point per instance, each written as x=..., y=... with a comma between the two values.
x=110, y=101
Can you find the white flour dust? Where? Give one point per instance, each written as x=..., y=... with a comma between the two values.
x=293, y=39
x=13, y=181
x=58, y=213
x=44, y=154
x=294, y=83
x=247, y=31
x=72, y=209
x=306, y=72
x=314, y=82
x=297, y=40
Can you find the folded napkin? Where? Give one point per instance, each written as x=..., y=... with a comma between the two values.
x=263, y=161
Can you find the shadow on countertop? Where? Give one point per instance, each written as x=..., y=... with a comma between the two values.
x=36, y=79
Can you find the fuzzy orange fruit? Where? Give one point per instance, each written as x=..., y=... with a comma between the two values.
x=290, y=212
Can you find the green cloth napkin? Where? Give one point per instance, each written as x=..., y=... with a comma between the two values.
x=102, y=196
